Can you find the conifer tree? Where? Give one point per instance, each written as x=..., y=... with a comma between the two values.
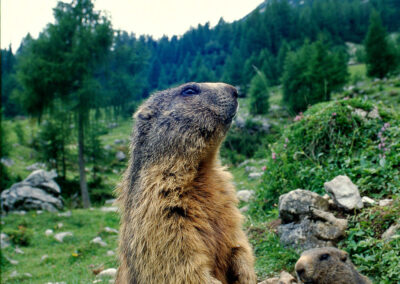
x=259, y=95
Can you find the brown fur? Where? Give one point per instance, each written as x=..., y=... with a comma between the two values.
x=328, y=266
x=180, y=222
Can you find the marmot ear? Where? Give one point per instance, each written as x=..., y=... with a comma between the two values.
x=343, y=256
x=144, y=113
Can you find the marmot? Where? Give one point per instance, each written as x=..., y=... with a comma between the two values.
x=328, y=265
x=180, y=223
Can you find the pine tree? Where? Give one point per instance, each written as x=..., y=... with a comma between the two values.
x=380, y=57
x=259, y=95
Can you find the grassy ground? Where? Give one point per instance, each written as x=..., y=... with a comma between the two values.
x=76, y=260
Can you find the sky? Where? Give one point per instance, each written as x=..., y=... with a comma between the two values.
x=150, y=17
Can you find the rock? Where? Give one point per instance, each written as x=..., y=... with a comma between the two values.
x=109, y=209
x=250, y=169
x=374, y=113
x=48, y=232
x=107, y=147
x=110, y=201
x=39, y=212
x=14, y=274
x=110, y=272
x=111, y=230
x=273, y=280
x=44, y=257
x=245, y=162
x=65, y=214
x=35, y=166
x=18, y=251
x=244, y=209
x=391, y=232
x=332, y=229
x=12, y=261
x=245, y=195
x=286, y=278
x=301, y=235
x=368, y=201
x=60, y=236
x=7, y=162
x=120, y=156
x=112, y=125
x=255, y=175
x=4, y=241
x=298, y=203
x=360, y=112
x=110, y=253
x=385, y=202
x=19, y=212
x=37, y=192
x=119, y=141
x=99, y=241
x=60, y=225
x=344, y=193
x=28, y=275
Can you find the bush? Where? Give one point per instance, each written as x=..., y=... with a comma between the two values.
x=330, y=139
x=21, y=236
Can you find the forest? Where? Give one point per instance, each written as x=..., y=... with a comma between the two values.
x=309, y=75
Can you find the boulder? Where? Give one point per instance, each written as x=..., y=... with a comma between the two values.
x=245, y=195
x=298, y=203
x=37, y=192
x=344, y=193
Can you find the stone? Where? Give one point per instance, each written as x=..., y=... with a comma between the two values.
x=14, y=274
x=110, y=230
x=60, y=225
x=332, y=228
x=286, y=278
x=385, y=202
x=298, y=203
x=12, y=261
x=255, y=175
x=44, y=257
x=368, y=201
x=36, y=166
x=48, y=232
x=245, y=195
x=60, y=236
x=344, y=193
x=273, y=280
x=244, y=209
x=374, y=113
x=109, y=209
x=37, y=192
x=7, y=162
x=110, y=272
x=110, y=201
x=301, y=235
x=65, y=214
x=107, y=147
x=18, y=250
x=28, y=275
x=110, y=253
x=391, y=232
x=99, y=241
x=250, y=169
x=360, y=112
x=119, y=141
x=39, y=212
x=4, y=240
x=120, y=156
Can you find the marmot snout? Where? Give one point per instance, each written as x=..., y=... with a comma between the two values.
x=327, y=266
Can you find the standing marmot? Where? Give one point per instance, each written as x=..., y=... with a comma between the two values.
x=328, y=266
x=180, y=222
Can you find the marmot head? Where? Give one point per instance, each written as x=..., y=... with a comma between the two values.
x=327, y=266
x=191, y=119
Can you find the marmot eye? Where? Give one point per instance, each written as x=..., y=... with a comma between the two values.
x=324, y=256
x=190, y=91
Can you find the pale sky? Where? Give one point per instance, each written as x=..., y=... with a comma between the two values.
x=151, y=17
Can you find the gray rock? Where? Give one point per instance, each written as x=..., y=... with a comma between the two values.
x=48, y=232
x=298, y=203
x=120, y=156
x=107, y=147
x=110, y=272
x=36, y=166
x=18, y=251
x=344, y=193
x=327, y=226
x=245, y=195
x=391, y=232
x=250, y=169
x=37, y=192
x=385, y=202
x=374, y=113
x=284, y=278
x=110, y=201
x=109, y=209
x=119, y=141
x=255, y=175
x=65, y=214
x=301, y=236
x=99, y=241
x=368, y=201
x=4, y=241
x=111, y=230
x=244, y=209
x=8, y=162
x=360, y=112
x=110, y=253
x=61, y=236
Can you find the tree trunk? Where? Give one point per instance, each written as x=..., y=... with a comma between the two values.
x=82, y=175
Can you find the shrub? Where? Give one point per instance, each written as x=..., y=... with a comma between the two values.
x=21, y=236
x=259, y=95
x=330, y=139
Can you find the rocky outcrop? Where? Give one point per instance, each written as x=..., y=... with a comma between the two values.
x=38, y=191
x=306, y=222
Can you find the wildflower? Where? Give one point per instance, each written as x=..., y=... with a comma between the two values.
x=386, y=125
x=298, y=117
x=273, y=156
x=334, y=114
x=284, y=146
x=286, y=140
x=264, y=168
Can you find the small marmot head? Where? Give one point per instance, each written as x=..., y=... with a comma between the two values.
x=191, y=118
x=326, y=266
